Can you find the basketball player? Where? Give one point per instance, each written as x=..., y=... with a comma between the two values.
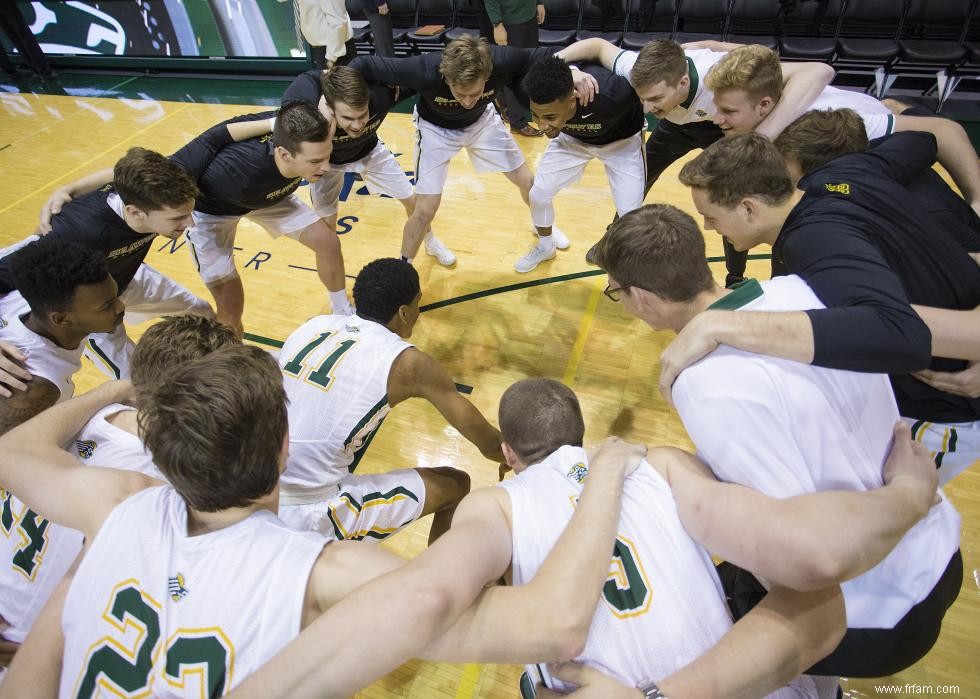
x=936, y=226
x=608, y=128
x=65, y=292
x=343, y=374
x=172, y=558
x=149, y=196
x=359, y=109
x=642, y=627
x=670, y=80
x=456, y=90
x=867, y=248
x=43, y=552
x=779, y=416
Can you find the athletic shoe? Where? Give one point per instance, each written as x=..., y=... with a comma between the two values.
x=434, y=247
x=533, y=258
x=561, y=240
x=528, y=130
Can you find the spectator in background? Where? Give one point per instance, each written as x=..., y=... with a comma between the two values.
x=326, y=26
x=378, y=17
x=515, y=23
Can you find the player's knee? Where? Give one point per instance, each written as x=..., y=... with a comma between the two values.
x=540, y=197
x=321, y=239
x=425, y=209
x=453, y=484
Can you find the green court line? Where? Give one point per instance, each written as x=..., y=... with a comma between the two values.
x=493, y=292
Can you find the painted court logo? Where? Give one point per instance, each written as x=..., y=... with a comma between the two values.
x=175, y=586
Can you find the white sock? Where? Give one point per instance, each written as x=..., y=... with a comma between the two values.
x=546, y=243
x=339, y=302
x=407, y=259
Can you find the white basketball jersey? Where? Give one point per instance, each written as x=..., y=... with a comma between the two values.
x=43, y=357
x=878, y=120
x=153, y=611
x=35, y=553
x=335, y=370
x=662, y=605
x=786, y=428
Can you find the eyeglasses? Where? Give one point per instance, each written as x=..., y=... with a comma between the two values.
x=613, y=294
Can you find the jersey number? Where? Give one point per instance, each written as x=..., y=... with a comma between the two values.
x=33, y=531
x=207, y=652
x=321, y=375
x=627, y=589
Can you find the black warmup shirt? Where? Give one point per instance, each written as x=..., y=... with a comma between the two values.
x=237, y=178
x=869, y=249
x=90, y=220
x=436, y=102
x=346, y=148
x=931, y=190
x=614, y=114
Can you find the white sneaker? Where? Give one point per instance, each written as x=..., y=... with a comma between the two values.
x=435, y=247
x=534, y=257
x=557, y=235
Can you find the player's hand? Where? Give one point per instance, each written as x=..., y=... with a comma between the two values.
x=960, y=383
x=592, y=684
x=500, y=35
x=383, y=9
x=540, y=14
x=613, y=452
x=7, y=648
x=13, y=375
x=52, y=206
x=585, y=86
x=691, y=344
x=910, y=467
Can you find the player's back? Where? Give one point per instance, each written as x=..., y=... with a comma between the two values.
x=35, y=553
x=662, y=605
x=335, y=371
x=151, y=608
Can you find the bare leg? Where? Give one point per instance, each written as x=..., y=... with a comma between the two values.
x=229, y=298
x=524, y=179
x=445, y=487
x=418, y=223
x=329, y=261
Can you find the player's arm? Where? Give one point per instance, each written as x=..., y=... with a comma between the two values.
x=197, y=154
x=416, y=603
x=955, y=334
x=415, y=72
x=416, y=374
x=591, y=50
x=782, y=636
x=13, y=375
x=955, y=151
x=804, y=542
x=802, y=84
x=64, y=194
x=48, y=479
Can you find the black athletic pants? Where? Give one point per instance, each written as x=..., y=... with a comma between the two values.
x=381, y=33
x=522, y=36
x=865, y=652
x=669, y=142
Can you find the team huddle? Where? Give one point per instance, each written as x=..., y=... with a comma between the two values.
x=197, y=526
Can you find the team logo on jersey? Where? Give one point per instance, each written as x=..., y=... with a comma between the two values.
x=175, y=586
x=578, y=472
x=700, y=112
x=839, y=188
x=85, y=447
x=3, y=323
x=351, y=328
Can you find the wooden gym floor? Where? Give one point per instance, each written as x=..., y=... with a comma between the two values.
x=489, y=325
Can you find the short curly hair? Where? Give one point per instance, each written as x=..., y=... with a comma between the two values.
x=173, y=342
x=548, y=79
x=47, y=272
x=384, y=286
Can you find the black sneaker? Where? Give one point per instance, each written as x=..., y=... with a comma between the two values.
x=733, y=279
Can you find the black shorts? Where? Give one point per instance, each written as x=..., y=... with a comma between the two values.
x=865, y=652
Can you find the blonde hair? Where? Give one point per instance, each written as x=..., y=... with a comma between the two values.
x=753, y=68
x=466, y=60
